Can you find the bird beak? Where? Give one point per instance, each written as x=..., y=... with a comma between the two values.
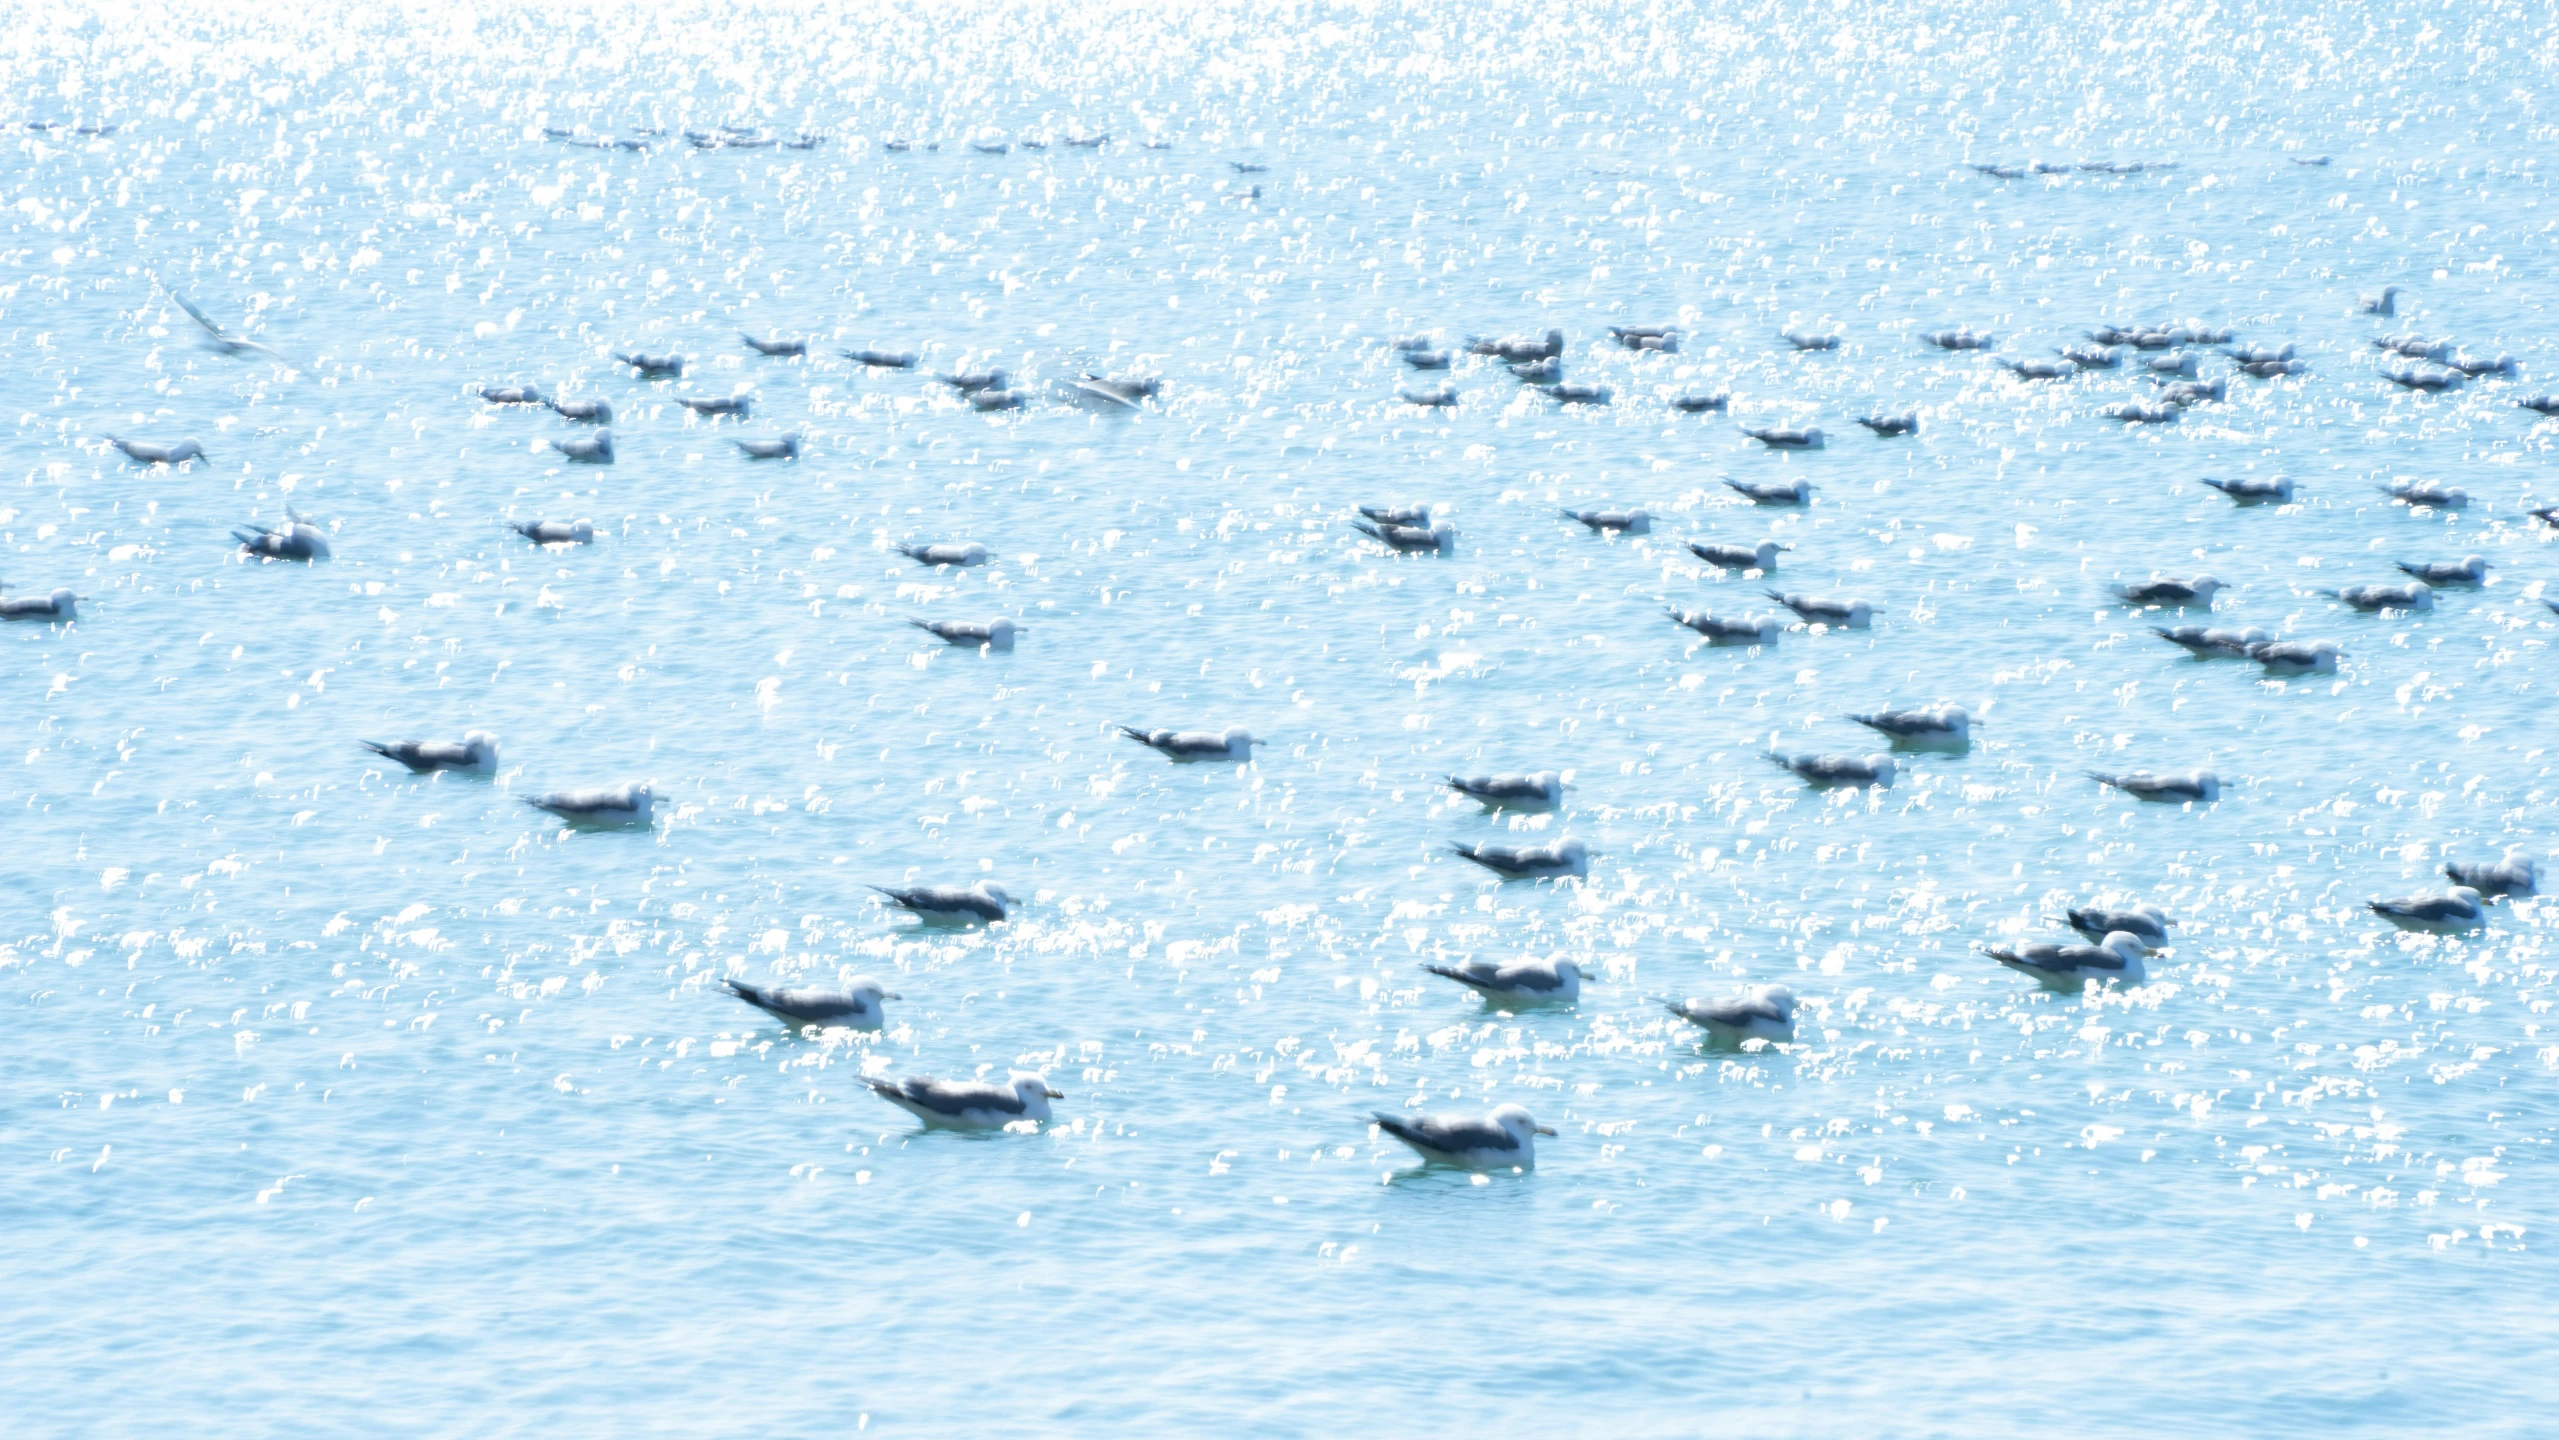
x=1546, y=1130
x=891, y=995
x=1053, y=1094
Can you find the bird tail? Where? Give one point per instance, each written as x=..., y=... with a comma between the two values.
x=744, y=991
x=1136, y=734
x=377, y=747
x=1777, y=595
x=1395, y=1126
x=1448, y=972
x=2100, y=776
x=1368, y=530
x=1463, y=848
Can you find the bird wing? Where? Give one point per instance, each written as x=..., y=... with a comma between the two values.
x=198, y=316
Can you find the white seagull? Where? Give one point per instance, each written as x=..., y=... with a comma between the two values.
x=855, y=1006
x=1520, y=980
x=1187, y=747
x=617, y=807
x=1763, y=1012
x=1527, y=862
x=2117, y=957
x=1505, y=1138
x=969, y=1104
x=477, y=754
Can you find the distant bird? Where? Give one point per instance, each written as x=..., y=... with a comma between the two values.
x=1627, y=522
x=1188, y=747
x=2195, y=392
x=2250, y=491
x=591, y=412
x=2133, y=412
x=2206, y=643
x=218, y=338
x=989, y=401
x=1505, y=1138
x=1645, y=337
x=1536, y=790
x=2411, y=377
x=595, y=449
x=2193, y=787
x=971, y=382
x=981, y=903
x=2039, y=369
x=1803, y=340
x=1878, y=770
x=510, y=394
x=1529, y=980
x=295, y=539
x=1428, y=359
x=1520, y=349
x=2386, y=302
x=1997, y=171
x=712, y=406
x=2146, y=923
x=2260, y=354
x=1545, y=371
x=1930, y=727
x=555, y=532
x=147, y=453
x=785, y=448
x=996, y=634
x=2308, y=159
x=1786, y=437
x=61, y=605
x=1410, y=344
x=2427, y=492
x=2272, y=369
x=1579, y=394
x=2170, y=591
x=653, y=367
x=970, y=1104
x=1823, y=610
x=1762, y=1012
x=2412, y=347
x=1411, y=539
x=2181, y=363
x=947, y=553
x=2460, y=908
x=853, y=1006
x=1748, y=630
x=776, y=346
x=2517, y=874
x=476, y=754
x=625, y=807
x=1551, y=861
x=2539, y=404
x=2116, y=958
x=1773, y=492
x=1762, y=557
x=2297, y=657
x=2415, y=595
x=991, y=147
x=2476, y=366
x=2468, y=570
x=1700, y=404
x=1888, y=426
x=1124, y=392
x=881, y=359
x=1439, y=399
x=1956, y=339
x=1248, y=167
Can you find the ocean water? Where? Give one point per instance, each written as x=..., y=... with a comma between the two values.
x=338, y=1100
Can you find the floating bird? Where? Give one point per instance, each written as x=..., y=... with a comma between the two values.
x=2272, y=369
x=2415, y=595
x=1439, y=399
x=2208, y=644
x=947, y=553
x=881, y=359
x=1645, y=337
x=2193, y=787
x=2090, y=359
x=555, y=532
x=510, y=395
x=1536, y=790
x=1505, y=1137
x=2259, y=354
x=1700, y=404
x=991, y=147
x=1529, y=980
x=1773, y=492
x=1540, y=372
x=1125, y=393
x=1428, y=359
x=2193, y=392
x=149, y=454
x=2413, y=347
x=61, y=605
x=854, y=1006
x=1411, y=539
x=2133, y=412
x=614, y=807
x=981, y=903
x=1551, y=861
x=1998, y=172
x=1763, y=1012
x=2117, y=958
x=972, y=382
x=1187, y=747
x=1626, y=522
x=1579, y=394
x=2297, y=657
x=293, y=540
x=2146, y=923
x=2517, y=874
x=994, y=634
x=1410, y=344
x=2039, y=369
x=2468, y=570
x=969, y=1104
x=2170, y=591
x=1930, y=727
x=2385, y=302
x=2427, y=492
x=1829, y=771
x=1748, y=630
x=653, y=367
x=1956, y=339
x=711, y=406
x=1888, y=426
x=1762, y=557
x=1786, y=437
x=2460, y=908
x=2249, y=491
x=776, y=347
x=2181, y=363
x=590, y=412
x=2308, y=159
x=2539, y=404
x=987, y=401
x=476, y=754
x=1518, y=349
x=1822, y=610
x=2475, y=366
x=2410, y=377
x=1802, y=340
x=595, y=449
x=225, y=341
x=785, y=448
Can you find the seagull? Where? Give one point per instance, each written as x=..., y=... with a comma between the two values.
x=969, y=1104
x=1506, y=1137
x=2427, y=492
x=1527, y=862
x=2517, y=874
x=2248, y=491
x=881, y=359
x=509, y=394
x=61, y=605
x=653, y=367
x=716, y=405
x=775, y=346
x=595, y=449
x=971, y=382
x=2170, y=591
x=2194, y=786
x=994, y=634
x=2195, y=393
x=1629, y=522
x=2133, y=412
x=1537, y=790
x=1516, y=348
x=476, y=755
x=2101, y=358
x=296, y=539
x=1762, y=558
x=1821, y=610
x=1932, y=727
x=1762, y=1012
x=1888, y=426
x=989, y=401
x=1579, y=394
x=856, y=1006
x=1748, y=630
x=1428, y=359
x=591, y=412
x=2271, y=369
x=2474, y=366
x=1558, y=980
x=1786, y=437
x=555, y=532
x=1439, y=399
x=1804, y=341
x=2039, y=369
x=1956, y=339
x=2181, y=363
x=981, y=903
x=2539, y=404
x=1700, y=404
x=1188, y=747
x=620, y=806
x=947, y=553
x=2297, y=657
x=2146, y=923
x=1124, y=393
x=2468, y=570
x=2460, y=908
x=2205, y=643
x=2068, y=967
x=2383, y=303
x=224, y=340
x=1540, y=372
x=1825, y=772
x=2260, y=354
x=1633, y=337
x=2415, y=595
x=150, y=454
x=785, y=448
x=1411, y=539
x=1773, y=492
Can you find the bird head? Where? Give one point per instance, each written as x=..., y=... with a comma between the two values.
x=483, y=747
x=994, y=892
x=583, y=531
x=1031, y=1087
x=2123, y=944
x=1778, y=995
x=1239, y=738
x=1887, y=769
x=66, y=605
x=1520, y=1124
